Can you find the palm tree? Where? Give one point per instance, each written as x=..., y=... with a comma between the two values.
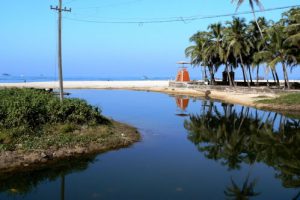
x=204, y=53
x=277, y=52
x=292, y=21
x=195, y=52
x=214, y=53
x=239, y=43
x=260, y=44
x=216, y=32
x=251, y=2
x=211, y=59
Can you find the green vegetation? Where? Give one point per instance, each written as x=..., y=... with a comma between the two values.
x=35, y=119
x=248, y=46
x=285, y=99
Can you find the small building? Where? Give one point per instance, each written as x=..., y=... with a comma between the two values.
x=183, y=75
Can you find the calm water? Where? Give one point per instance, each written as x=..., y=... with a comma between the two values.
x=190, y=149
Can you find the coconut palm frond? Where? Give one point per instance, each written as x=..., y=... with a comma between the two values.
x=293, y=40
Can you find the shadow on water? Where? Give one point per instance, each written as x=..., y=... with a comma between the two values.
x=21, y=183
x=241, y=135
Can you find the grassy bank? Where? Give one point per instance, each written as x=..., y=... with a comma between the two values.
x=285, y=99
x=35, y=127
x=287, y=104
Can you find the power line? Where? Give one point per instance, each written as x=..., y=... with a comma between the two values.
x=178, y=19
x=125, y=19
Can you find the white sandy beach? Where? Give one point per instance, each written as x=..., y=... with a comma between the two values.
x=227, y=95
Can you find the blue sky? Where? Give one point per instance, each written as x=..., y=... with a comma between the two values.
x=29, y=36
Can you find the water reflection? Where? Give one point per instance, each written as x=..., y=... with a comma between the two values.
x=236, y=135
x=25, y=182
x=182, y=103
x=165, y=165
x=246, y=191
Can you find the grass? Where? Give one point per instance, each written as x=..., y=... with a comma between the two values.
x=62, y=136
x=33, y=119
x=285, y=99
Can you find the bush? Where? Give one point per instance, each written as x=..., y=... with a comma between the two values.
x=26, y=111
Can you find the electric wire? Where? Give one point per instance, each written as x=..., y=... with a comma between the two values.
x=178, y=19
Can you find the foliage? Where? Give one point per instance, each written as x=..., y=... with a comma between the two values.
x=248, y=45
x=30, y=112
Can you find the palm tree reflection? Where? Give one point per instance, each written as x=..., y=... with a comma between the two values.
x=241, y=193
x=235, y=135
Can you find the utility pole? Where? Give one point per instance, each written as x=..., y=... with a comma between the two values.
x=60, y=9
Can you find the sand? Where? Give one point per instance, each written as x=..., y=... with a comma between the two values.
x=227, y=95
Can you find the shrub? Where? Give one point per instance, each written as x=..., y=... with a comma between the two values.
x=26, y=111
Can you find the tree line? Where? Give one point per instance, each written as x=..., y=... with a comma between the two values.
x=238, y=44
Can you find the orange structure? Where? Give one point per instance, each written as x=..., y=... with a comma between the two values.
x=182, y=103
x=183, y=76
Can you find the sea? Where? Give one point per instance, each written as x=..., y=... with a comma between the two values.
x=5, y=78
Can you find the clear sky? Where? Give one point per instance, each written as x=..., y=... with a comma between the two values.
x=29, y=35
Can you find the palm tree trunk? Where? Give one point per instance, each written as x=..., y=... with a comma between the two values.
x=286, y=78
x=250, y=74
x=276, y=76
x=243, y=69
x=228, y=75
x=272, y=71
x=257, y=72
x=212, y=75
x=204, y=75
x=260, y=31
x=244, y=75
x=232, y=78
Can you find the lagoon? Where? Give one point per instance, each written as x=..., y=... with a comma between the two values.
x=190, y=149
